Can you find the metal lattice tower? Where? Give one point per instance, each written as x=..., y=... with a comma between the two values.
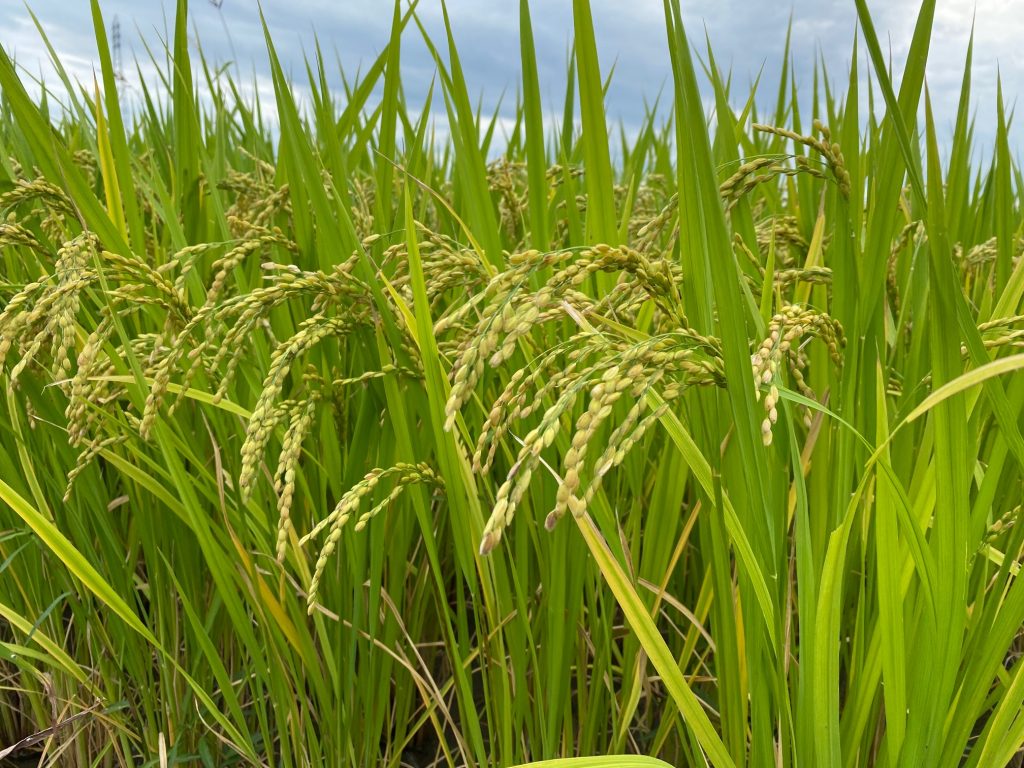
x=115, y=35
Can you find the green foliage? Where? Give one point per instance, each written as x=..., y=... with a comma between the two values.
x=337, y=444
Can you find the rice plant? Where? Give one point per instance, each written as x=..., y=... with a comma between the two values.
x=334, y=442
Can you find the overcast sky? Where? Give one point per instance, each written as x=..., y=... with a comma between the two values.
x=747, y=35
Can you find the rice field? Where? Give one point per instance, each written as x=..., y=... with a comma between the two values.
x=344, y=440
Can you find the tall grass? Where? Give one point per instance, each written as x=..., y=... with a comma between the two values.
x=341, y=444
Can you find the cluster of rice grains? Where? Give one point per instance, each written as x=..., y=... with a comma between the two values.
x=596, y=367
x=822, y=145
x=784, y=348
x=401, y=475
x=70, y=283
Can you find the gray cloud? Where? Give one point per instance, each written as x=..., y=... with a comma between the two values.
x=747, y=37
